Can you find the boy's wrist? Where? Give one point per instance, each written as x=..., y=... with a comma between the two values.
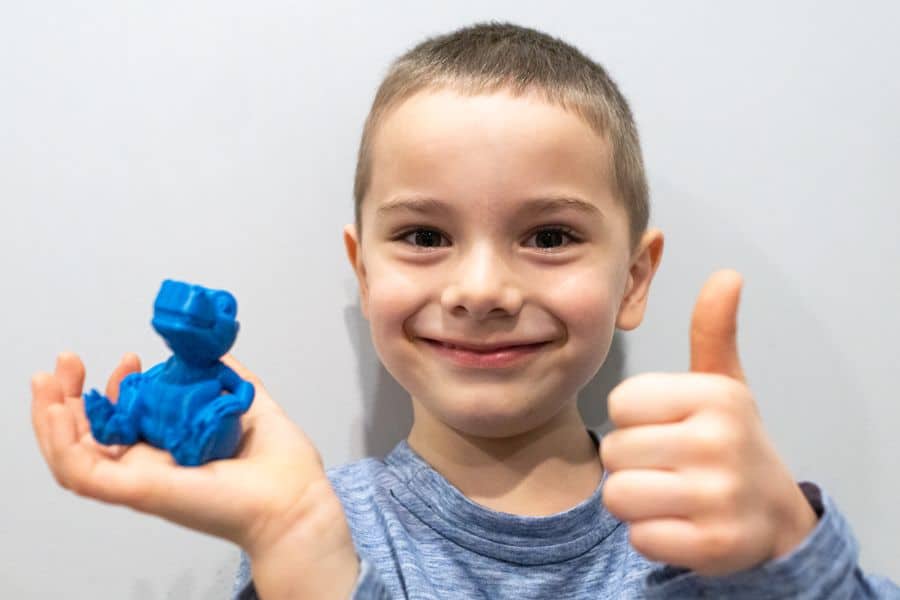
x=311, y=557
x=797, y=520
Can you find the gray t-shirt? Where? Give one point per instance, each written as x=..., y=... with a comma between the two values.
x=420, y=538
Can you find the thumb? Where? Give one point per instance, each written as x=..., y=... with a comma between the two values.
x=714, y=326
x=242, y=371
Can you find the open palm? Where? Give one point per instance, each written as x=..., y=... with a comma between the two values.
x=250, y=499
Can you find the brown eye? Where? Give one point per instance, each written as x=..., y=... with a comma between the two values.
x=549, y=238
x=553, y=237
x=424, y=238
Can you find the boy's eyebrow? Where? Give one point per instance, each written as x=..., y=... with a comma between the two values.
x=417, y=204
x=556, y=203
x=537, y=206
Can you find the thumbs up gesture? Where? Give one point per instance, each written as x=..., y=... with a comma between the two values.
x=692, y=471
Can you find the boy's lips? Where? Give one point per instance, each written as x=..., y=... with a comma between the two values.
x=485, y=348
x=494, y=356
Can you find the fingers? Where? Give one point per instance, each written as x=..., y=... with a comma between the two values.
x=640, y=494
x=129, y=364
x=262, y=401
x=241, y=370
x=664, y=397
x=88, y=469
x=46, y=391
x=61, y=436
x=646, y=447
x=649, y=398
x=714, y=326
x=83, y=469
x=70, y=374
x=139, y=476
x=708, y=551
x=665, y=540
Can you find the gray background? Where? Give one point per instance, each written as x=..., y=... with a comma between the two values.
x=215, y=142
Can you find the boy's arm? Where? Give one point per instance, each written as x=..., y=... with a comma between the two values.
x=273, y=498
x=314, y=559
x=368, y=585
x=317, y=559
x=702, y=487
x=824, y=565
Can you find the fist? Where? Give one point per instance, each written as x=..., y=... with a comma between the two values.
x=691, y=469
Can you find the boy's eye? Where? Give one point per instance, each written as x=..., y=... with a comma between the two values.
x=544, y=239
x=424, y=238
x=552, y=237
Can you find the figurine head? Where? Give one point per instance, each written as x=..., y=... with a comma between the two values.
x=197, y=323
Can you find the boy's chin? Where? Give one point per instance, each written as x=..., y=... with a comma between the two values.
x=497, y=422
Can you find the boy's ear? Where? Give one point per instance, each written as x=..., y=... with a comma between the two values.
x=644, y=263
x=354, y=255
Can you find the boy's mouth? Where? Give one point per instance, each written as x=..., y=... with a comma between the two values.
x=498, y=355
x=486, y=348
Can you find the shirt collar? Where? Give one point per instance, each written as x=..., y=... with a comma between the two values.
x=523, y=540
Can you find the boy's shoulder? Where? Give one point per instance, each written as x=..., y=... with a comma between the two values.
x=356, y=471
x=369, y=484
x=359, y=482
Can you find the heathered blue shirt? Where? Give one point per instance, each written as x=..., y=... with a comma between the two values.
x=418, y=537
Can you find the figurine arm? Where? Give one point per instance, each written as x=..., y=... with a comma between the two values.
x=239, y=388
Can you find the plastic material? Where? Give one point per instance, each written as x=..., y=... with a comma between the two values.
x=179, y=405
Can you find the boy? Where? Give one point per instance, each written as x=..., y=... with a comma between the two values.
x=500, y=238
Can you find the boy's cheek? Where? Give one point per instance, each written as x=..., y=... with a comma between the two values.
x=588, y=315
x=393, y=303
x=586, y=307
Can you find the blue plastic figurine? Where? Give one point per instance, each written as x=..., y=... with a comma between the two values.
x=179, y=405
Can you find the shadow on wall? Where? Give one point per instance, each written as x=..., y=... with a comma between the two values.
x=592, y=397
x=387, y=411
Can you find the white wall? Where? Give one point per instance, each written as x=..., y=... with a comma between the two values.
x=215, y=142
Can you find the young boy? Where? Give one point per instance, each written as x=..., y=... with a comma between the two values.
x=500, y=238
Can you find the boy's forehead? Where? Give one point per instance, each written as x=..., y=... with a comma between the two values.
x=445, y=144
x=444, y=115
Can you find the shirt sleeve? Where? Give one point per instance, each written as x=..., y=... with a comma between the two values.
x=824, y=565
x=369, y=585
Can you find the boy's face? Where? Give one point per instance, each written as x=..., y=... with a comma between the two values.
x=490, y=221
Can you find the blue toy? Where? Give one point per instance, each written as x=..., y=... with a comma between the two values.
x=191, y=404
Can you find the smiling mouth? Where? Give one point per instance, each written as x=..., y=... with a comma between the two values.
x=487, y=359
x=488, y=350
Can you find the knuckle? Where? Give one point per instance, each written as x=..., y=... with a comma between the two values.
x=716, y=439
x=709, y=440
x=37, y=379
x=719, y=543
x=60, y=477
x=641, y=539
x=726, y=492
x=79, y=488
x=613, y=495
x=735, y=395
x=608, y=454
x=615, y=405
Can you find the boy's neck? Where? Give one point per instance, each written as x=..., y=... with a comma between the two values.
x=542, y=472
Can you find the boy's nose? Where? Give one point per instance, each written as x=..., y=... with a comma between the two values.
x=482, y=284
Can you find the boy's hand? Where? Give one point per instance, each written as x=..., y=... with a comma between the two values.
x=691, y=469
x=273, y=498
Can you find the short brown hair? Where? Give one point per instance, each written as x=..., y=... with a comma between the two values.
x=487, y=57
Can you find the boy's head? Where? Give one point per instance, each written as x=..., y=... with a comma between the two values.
x=488, y=58
x=501, y=202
